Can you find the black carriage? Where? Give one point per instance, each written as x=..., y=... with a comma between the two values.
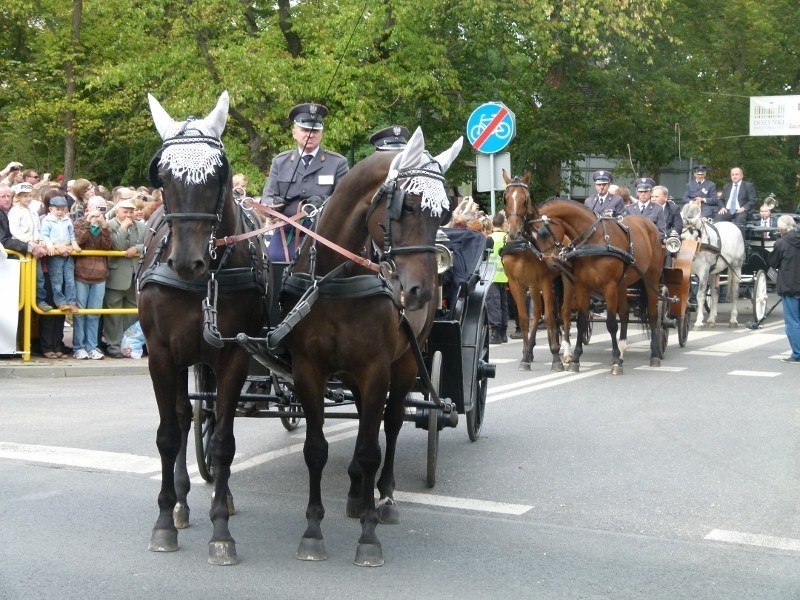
x=455, y=358
x=756, y=280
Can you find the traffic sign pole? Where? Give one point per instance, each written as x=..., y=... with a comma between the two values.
x=490, y=128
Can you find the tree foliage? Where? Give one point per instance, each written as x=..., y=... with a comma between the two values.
x=615, y=77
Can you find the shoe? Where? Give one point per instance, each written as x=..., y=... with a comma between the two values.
x=49, y=355
x=789, y=359
x=95, y=354
x=64, y=307
x=517, y=335
x=116, y=355
x=44, y=306
x=81, y=354
x=62, y=355
x=73, y=308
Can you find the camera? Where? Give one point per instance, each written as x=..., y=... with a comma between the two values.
x=102, y=209
x=14, y=168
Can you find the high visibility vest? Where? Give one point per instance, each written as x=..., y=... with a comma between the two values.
x=499, y=238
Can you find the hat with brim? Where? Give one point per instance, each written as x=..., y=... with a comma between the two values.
x=126, y=204
x=58, y=201
x=22, y=188
x=700, y=169
x=390, y=138
x=310, y=115
x=644, y=184
x=602, y=177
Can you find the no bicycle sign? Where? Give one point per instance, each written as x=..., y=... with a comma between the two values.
x=491, y=127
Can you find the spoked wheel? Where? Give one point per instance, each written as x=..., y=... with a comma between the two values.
x=683, y=330
x=205, y=419
x=433, y=419
x=662, y=332
x=286, y=403
x=759, y=298
x=587, y=335
x=481, y=387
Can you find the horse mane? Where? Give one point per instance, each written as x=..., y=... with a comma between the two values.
x=554, y=199
x=690, y=213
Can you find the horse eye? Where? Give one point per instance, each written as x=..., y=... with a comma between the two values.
x=408, y=208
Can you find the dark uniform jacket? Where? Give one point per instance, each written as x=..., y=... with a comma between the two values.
x=612, y=203
x=290, y=183
x=706, y=190
x=653, y=212
x=785, y=257
x=672, y=216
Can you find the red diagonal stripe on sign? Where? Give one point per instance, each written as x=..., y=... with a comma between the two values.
x=490, y=128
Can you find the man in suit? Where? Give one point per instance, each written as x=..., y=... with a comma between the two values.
x=126, y=234
x=604, y=202
x=672, y=214
x=645, y=207
x=739, y=198
x=702, y=192
x=306, y=174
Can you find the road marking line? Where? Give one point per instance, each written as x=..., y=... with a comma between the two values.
x=572, y=377
x=462, y=503
x=755, y=373
x=662, y=368
x=77, y=457
x=742, y=343
x=327, y=429
x=502, y=361
x=708, y=353
x=752, y=539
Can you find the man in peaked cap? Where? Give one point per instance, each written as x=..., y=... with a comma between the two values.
x=390, y=138
x=603, y=202
x=702, y=192
x=307, y=174
x=645, y=208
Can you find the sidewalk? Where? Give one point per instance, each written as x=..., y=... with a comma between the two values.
x=39, y=367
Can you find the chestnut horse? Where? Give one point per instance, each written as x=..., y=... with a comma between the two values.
x=608, y=255
x=362, y=325
x=528, y=272
x=193, y=290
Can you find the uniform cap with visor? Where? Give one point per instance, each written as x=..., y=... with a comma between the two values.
x=309, y=115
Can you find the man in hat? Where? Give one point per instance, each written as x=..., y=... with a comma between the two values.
x=702, y=192
x=127, y=234
x=304, y=175
x=390, y=138
x=645, y=208
x=603, y=202
x=738, y=198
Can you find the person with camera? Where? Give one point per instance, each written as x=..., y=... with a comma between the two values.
x=12, y=174
x=91, y=233
x=307, y=174
x=785, y=258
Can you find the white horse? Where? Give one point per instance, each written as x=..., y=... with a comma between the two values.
x=721, y=247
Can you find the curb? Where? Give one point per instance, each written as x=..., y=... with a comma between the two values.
x=43, y=368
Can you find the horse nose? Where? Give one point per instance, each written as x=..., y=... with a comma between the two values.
x=187, y=270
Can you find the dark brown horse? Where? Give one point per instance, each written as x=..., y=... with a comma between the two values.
x=388, y=208
x=188, y=285
x=607, y=255
x=528, y=272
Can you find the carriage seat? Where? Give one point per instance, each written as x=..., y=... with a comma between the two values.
x=469, y=250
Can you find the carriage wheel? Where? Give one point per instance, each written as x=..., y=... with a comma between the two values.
x=683, y=330
x=205, y=419
x=481, y=386
x=286, y=402
x=433, y=419
x=587, y=335
x=662, y=332
x=759, y=298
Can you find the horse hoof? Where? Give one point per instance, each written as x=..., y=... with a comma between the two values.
x=222, y=553
x=524, y=366
x=574, y=367
x=567, y=359
x=369, y=555
x=616, y=369
x=655, y=362
x=557, y=366
x=180, y=516
x=311, y=549
x=733, y=324
x=354, y=507
x=711, y=324
x=388, y=513
x=163, y=540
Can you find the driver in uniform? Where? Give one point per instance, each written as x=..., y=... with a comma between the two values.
x=307, y=174
x=645, y=207
x=604, y=203
x=702, y=192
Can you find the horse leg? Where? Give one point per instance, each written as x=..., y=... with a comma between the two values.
x=734, y=279
x=712, y=309
x=566, y=319
x=164, y=537
x=518, y=293
x=310, y=389
x=615, y=302
x=222, y=547
x=553, y=338
x=404, y=372
x=369, y=552
x=702, y=286
x=582, y=302
x=180, y=514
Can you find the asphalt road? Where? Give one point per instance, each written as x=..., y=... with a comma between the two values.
x=680, y=482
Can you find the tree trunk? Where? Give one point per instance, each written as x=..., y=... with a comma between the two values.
x=70, y=152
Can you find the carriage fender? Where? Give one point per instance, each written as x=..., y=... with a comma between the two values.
x=678, y=277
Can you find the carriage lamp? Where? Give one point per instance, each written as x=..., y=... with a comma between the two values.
x=673, y=242
x=444, y=259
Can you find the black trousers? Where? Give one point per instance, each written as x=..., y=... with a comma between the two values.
x=497, y=305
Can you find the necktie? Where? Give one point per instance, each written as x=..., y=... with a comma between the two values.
x=733, y=204
x=602, y=199
x=307, y=159
x=641, y=208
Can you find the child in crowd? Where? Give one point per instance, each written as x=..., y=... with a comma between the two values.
x=24, y=224
x=59, y=236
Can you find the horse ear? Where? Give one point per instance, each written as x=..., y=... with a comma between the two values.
x=218, y=117
x=506, y=178
x=446, y=158
x=163, y=122
x=526, y=179
x=411, y=154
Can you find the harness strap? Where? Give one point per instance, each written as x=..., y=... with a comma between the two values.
x=444, y=405
x=364, y=262
x=232, y=239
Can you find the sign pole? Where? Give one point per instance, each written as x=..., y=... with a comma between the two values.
x=491, y=170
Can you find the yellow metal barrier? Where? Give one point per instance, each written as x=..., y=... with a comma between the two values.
x=27, y=288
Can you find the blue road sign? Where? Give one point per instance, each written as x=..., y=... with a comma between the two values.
x=491, y=127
